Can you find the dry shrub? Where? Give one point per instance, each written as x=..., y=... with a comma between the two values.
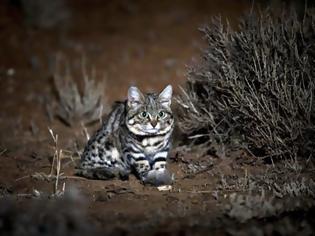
x=255, y=84
x=297, y=195
x=75, y=106
x=247, y=207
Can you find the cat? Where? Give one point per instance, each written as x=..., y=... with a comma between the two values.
x=135, y=138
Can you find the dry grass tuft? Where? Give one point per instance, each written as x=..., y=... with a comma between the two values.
x=56, y=165
x=61, y=158
x=75, y=107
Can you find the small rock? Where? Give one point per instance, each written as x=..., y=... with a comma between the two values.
x=164, y=188
x=10, y=72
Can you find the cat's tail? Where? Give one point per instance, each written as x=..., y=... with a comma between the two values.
x=103, y=173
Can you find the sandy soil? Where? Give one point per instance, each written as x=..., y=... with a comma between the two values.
x=145, y=44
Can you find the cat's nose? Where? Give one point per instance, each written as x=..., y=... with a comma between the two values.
x=153, y=123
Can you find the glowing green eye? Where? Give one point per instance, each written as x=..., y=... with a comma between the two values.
x=144, y=114
x=161, y=114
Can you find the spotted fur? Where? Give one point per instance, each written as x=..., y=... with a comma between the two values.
x=135, y=138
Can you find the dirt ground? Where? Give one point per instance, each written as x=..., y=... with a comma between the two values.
x=149, y=45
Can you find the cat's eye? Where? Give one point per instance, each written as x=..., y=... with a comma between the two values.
x=161, y=114
x=144, y=114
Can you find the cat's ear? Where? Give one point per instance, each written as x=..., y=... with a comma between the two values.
x=135, y=97
x=165, y=96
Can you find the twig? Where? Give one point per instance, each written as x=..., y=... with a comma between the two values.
x=44, y=176
x=3, y=151
x=189, y=176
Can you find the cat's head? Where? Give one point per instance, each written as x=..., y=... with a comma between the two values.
x=149, y=114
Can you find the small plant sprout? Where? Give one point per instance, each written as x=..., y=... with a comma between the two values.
x=56, y=164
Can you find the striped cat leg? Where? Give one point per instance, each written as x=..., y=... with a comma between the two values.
x=104, y=172
x=159, y=160
x=158, y=175
x=139, y=162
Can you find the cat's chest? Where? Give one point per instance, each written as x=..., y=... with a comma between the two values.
x=152, y=145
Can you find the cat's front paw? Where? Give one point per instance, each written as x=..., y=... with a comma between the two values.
x=158, y=177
